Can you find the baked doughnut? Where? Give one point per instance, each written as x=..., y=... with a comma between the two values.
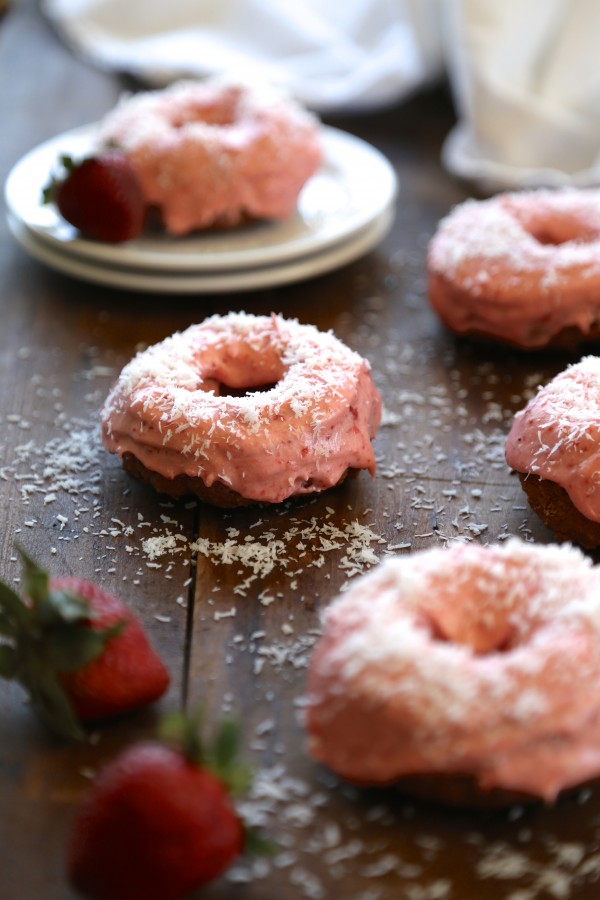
x=520, y=268
x=466, y=664
x=242, y=409
x=215, y=153
x=554, y=445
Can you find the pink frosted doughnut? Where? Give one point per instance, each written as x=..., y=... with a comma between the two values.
x=523, y=268
x=554, y=445
x=468, y=661
x=216, y=153
x=244, y=408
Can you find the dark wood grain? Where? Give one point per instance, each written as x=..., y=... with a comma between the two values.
x=237, y=636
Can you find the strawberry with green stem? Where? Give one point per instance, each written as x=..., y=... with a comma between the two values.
x=159, y=822
x=100, y=195
x=78, y=651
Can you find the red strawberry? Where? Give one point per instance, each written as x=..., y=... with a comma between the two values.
x=158, y=822
x=80, y=653
x=100, y=195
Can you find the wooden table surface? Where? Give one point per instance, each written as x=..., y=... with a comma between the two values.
x=236, y=629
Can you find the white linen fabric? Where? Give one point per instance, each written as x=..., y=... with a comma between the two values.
x=330, y=55
x=526, y=80
x=524, y=73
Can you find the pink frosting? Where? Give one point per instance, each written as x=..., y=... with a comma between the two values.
x=215, y=152
x=519, y=267
x=557, y=435
x=299, y=436
x=467, y=660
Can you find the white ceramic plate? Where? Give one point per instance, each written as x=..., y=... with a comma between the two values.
x=254, y=278
x=355, y=185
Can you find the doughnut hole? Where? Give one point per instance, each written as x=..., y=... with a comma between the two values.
x=220, y=115
x=234, y=373
x=482, y=637
x=557, y=227
x=471, y=614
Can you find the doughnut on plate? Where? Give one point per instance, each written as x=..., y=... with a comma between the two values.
x=343, y=211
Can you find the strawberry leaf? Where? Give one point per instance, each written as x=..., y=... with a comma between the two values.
x=7, y=626
x=13, y=612
x=256, y=845
x=72, y=647
x=36, y=579
x=66, y=164
x=235, y=775
x=9, y=662
x=227, y=742
x=70, y=607
x=52, y=704
x=184, y=732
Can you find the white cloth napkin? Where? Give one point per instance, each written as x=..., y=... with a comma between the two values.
x=331, y=55
x=524, y=73
x=526, y=78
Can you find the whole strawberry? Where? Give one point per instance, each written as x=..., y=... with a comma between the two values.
x=78, y=651
x=100, y=195
x=158, y=822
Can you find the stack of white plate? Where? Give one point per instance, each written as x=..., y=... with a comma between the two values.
x=343, y=212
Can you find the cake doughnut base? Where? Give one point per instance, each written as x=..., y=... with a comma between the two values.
x=554, y=507
x=461, y=791
x=185, y=485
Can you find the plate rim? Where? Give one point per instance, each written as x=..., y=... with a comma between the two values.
x=150, y=281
